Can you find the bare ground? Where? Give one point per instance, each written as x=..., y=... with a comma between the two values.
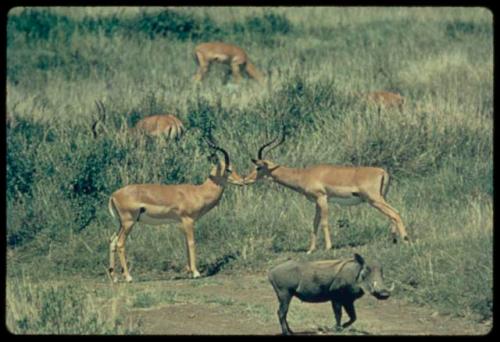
x=246, y=305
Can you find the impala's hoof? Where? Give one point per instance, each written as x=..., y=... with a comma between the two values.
x=196, y=274
x=128, y=279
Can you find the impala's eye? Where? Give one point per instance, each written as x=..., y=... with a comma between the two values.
x=259, y=168
x=229, y=170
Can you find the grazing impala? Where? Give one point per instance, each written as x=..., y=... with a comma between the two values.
x=385, y=99
x=232, y=55
x=155, y=125
x=164, y=124
x=160, y=203
x=341, y=184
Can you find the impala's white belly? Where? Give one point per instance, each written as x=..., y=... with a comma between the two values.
x=353, y=200
x=144, y=218
x=343, y=195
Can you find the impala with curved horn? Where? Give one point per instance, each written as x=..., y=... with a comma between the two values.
x=347, y=185
x=157, y=204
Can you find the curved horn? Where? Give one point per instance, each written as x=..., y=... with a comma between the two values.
x=212, y=144
x=259, y=154
x=101, y=111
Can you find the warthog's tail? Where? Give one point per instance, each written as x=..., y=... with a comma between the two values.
x=254, y=73
x=384, y=186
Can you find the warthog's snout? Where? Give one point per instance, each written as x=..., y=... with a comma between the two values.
x=382, y=293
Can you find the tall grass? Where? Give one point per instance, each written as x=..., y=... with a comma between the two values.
x=138, y=62
x=60, y=309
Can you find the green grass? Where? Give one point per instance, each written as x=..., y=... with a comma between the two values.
x=438, y=151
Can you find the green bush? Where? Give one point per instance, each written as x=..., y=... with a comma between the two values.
x=38, y=24
x=458, y=28
x=268, y=24
x=174, y=24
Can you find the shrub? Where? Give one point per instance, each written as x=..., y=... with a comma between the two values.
x=270, y=23
x=38, y=24
x=457, y=28
x=174, y=24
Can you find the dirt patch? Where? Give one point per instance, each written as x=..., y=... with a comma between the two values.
x=246, y=305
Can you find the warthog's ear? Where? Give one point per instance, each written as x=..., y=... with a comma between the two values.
x=363, y=269
x=359, y=259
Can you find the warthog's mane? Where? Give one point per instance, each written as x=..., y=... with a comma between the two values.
x=332, y=263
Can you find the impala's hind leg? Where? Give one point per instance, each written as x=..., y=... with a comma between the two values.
x=120, y=245
x=236, y=70
x=112, y=250
x=393, y=215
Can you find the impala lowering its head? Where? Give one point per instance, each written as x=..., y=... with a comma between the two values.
x=158, y=204
x=167, y=125
x=341, y=184
x=164, y=124
x=385, y=99
x=232, y=55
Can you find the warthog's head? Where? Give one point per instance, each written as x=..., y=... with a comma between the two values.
x=371, y=279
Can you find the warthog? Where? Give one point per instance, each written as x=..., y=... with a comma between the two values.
x=339, y=281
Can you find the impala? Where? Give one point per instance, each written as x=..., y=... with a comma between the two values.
x=207, y=53
x=163, y=124
x=385, y=99
x=157, y=204
x=340, y=184
x=155, y=125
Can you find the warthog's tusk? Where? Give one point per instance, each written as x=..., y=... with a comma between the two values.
x=392, y=287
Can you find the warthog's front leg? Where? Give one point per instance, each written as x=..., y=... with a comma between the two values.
x=351, y=312
x=337, y=310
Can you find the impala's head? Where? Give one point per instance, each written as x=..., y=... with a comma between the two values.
x=263, y=167
x=223, y=171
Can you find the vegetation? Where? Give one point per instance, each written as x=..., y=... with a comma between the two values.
x=139, y=62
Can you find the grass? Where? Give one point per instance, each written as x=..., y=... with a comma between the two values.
x=438, y=151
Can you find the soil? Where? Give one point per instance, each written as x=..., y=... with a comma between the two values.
x=246, y=305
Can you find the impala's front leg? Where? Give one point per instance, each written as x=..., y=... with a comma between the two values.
x=323, y=205
x=317, y=218
x=188, y=226
x=202, y=64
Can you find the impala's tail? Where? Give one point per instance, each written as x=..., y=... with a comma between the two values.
x=254, y=73
x=111, y=207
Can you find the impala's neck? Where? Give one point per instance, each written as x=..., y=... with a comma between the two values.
x=289, y=177
x=216, y=181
